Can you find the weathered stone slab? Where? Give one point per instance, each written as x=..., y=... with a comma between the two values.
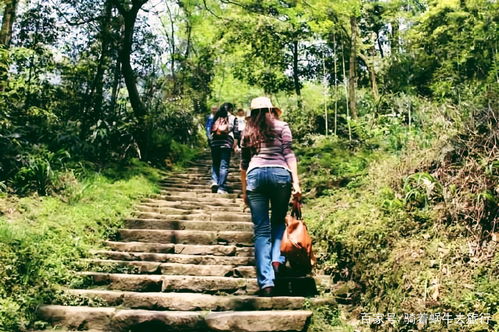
x=233, y=207
x=148, y=320
x=205, y=216
x=208, y=285
x=176, y=258
x=129, y=282
x=198, y=225
x=141, y=247
x=258, y=321
x=193, y=301
x=187, y=249
x=186, y=236
x=77, y=318
x=174, y=268
x=164, y=283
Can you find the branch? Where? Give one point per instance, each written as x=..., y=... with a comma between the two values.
x=365, y=60
x=121, y=8
x=69, y=22
x=136, y=4
x=233, y=3
x=211, y=12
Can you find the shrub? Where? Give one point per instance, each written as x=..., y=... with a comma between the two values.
x=39, y=171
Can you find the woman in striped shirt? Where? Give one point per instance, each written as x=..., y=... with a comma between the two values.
x=268, y=173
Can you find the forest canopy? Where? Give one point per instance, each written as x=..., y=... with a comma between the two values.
x=113, y=79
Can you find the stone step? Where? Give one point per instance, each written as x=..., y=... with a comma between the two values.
x=187, y=249
x=144, y=267
x=170, y=201
x=197, y=191
x=258, y=321
x=170, y=210
x=232, y=181
x=205, y=195
x=292, y=286
x=186, y=237
x=184, y=262
x=201, y=168
x=213, y=199
x=200, y=225
x=111, y=319
x=189, y=186
x=167, y=283
x=204, y=216
x=200, y=174
x=175, y=258
x=181, y=208
x=195, y=301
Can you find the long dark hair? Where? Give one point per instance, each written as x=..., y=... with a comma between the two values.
x=259, y=129
x=223, y=111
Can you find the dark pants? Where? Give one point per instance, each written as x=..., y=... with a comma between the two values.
x=268, y=185
x=220, y=168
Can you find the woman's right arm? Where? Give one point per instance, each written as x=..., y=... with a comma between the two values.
x=243, y=183
x=245, y=160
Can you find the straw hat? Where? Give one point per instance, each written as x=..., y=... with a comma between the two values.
x=264, y=102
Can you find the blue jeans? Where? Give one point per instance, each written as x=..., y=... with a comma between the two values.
x=220, y=167
x=268, y=185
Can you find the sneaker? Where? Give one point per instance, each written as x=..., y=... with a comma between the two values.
x=267, y=292
x=277, y=266
x=214, y=187
x=221, y=191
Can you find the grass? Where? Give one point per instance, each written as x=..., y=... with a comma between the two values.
x=43, y=238
x=382, y=230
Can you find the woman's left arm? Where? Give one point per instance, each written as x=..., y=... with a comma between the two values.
x=289, y=156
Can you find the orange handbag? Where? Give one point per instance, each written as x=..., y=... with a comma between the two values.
x=296, y=242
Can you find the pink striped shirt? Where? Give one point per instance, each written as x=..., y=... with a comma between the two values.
x=277, y=153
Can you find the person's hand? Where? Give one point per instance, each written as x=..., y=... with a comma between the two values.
x=246, y=202
x=296, y=188
x=236, y=148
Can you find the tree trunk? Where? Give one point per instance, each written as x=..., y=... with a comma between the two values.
x=94, y=97
x=98, y=83
x=139, y=109
x=296, y=75
x=394, y=38
x=173, y=48
x=115, y=84
x=380, y=46
x=126, y=65
x=345, y=83
x=187, y=54
x=352, y=73
x=9, y=16
x=335, y=49
x=369, y=61
x=188, y=48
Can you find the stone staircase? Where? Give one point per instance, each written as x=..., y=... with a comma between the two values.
x=184, y=262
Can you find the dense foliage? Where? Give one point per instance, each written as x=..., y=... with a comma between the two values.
x=393, y=104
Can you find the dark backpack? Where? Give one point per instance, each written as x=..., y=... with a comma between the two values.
x=220, y=127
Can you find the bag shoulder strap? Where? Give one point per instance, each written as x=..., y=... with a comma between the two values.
x=296, y=207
